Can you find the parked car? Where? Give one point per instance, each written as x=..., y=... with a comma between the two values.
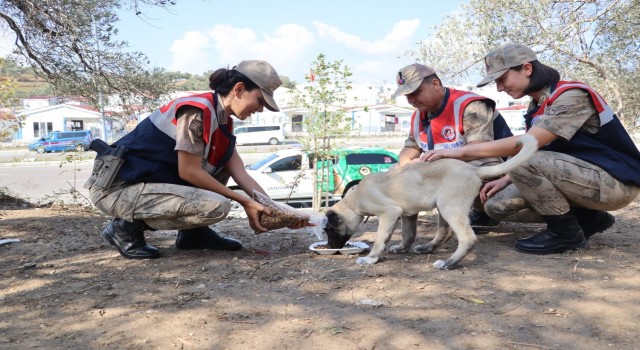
x=271, y=134
x=287, y=175
x=63, y=141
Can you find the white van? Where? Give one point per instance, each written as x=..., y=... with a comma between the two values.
x=271, y=134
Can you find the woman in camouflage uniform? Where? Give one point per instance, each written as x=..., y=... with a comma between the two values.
x=587, y=163
x=178, y=161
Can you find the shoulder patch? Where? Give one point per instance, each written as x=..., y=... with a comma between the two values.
x=555, y=110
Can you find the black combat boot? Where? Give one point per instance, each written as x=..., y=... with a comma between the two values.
x=480, y=221
x=128, y=238
x=593, y=221
x=563, y=233
x=205, y=238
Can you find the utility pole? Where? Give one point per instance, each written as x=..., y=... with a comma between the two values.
x=100, y=100
x=102, y=117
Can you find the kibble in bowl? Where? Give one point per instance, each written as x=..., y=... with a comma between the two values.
x=349, y=248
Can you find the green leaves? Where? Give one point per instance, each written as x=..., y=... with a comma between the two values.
x=72, y=45
x=323, y=98
x=590, y=41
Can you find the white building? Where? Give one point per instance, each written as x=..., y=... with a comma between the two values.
x=366, y=105
x=380, y=119
x=34, y=102
x=36, y=123
x=514, y=116
x=369, y=107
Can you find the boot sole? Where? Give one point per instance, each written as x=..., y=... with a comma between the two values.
x=105, y=234
x=557, y=250
x=107, y=237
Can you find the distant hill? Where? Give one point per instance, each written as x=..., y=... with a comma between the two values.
x=27, y=83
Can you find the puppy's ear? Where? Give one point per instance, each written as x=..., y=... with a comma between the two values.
x=333, y=219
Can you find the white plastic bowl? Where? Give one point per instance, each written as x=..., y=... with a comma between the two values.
x=350, y=248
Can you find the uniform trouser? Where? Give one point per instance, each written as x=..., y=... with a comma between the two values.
x=162, y=206
x=550, y=182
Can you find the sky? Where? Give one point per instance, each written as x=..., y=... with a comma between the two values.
x=370, y=37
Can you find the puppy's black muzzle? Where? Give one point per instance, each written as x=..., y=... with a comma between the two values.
x=335, y=240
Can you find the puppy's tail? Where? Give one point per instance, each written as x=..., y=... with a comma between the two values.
x=529, y=147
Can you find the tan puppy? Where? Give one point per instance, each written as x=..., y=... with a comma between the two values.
x=450, y=185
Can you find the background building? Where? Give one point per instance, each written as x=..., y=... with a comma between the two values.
x=37, y=122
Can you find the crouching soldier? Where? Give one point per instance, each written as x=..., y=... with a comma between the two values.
x=170, y=172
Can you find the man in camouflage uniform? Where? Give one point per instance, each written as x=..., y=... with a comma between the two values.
x=447, y=118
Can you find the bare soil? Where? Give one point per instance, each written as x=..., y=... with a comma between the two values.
x=64, y=287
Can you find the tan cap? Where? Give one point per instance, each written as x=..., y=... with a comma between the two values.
x=410, y=77
x=263, y=75
x=500, y=60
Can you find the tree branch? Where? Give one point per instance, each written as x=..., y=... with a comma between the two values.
x=20, y=37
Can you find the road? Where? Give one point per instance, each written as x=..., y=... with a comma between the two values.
x=60, y=176
x=55, y=179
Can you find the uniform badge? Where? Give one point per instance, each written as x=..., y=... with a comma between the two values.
x=448, y=132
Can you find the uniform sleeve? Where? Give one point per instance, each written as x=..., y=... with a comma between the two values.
x=570, y=112
x=189, y=134
x=477, y=121
x=411, y=143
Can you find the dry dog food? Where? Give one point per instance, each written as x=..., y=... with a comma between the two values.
x=282, y=215
x=326, y=246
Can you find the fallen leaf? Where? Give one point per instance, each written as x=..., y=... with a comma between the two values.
x=473, y=300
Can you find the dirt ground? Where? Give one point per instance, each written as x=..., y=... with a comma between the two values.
x=63, y=287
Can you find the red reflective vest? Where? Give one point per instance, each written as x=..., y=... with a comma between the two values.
x=604, y=111
x=445, y=130
x=217, y=154
x=151, y=155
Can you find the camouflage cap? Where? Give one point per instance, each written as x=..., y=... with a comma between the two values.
x=410, y=77
x=263, y=75
x=500, y=60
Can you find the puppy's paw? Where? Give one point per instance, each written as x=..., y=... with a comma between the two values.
x=366, y=260
x=423, y=249
x=440, y=264
x=397, y=248
x=444, y=265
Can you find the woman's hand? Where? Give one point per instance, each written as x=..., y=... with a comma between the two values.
x=254, y=210
x=492, y=187
x=301, y=224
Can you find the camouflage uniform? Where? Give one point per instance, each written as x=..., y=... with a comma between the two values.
x=551, y=182
x=167, y=206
